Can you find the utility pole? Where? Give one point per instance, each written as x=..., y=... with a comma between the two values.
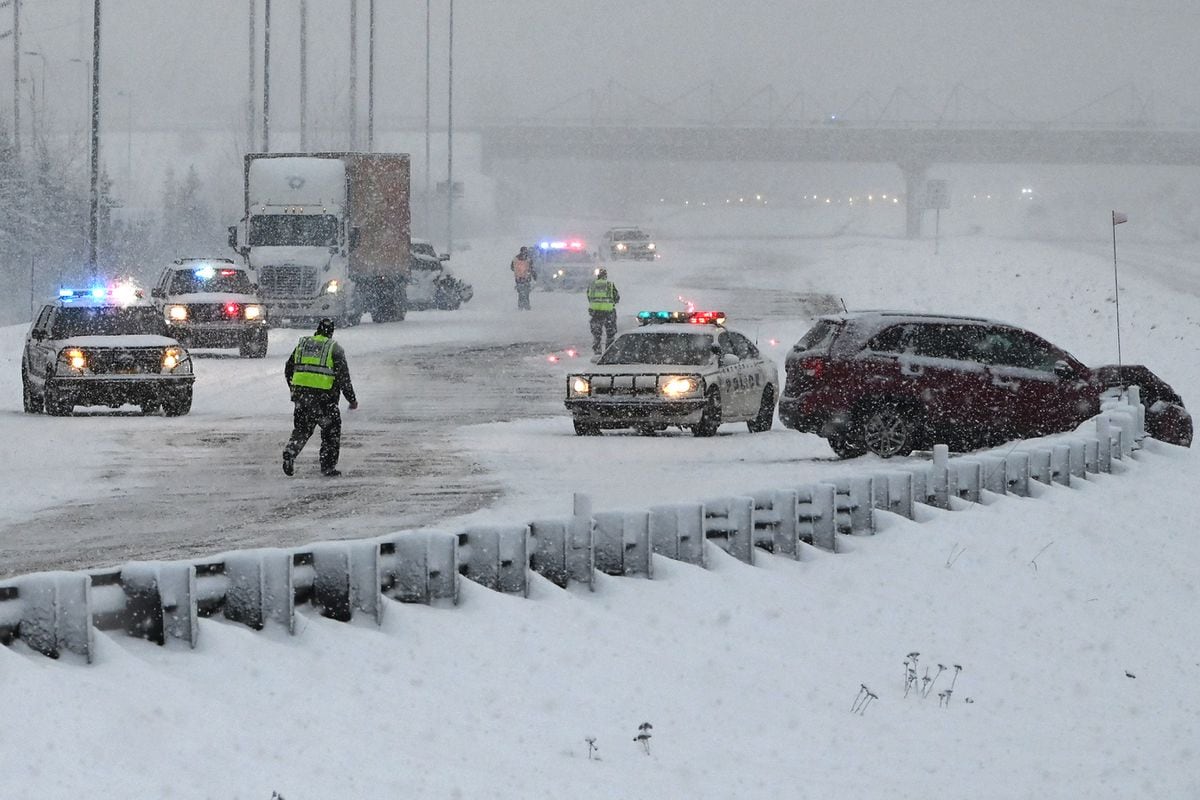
x=266, y=140
x=353, y=74
x=304, y=76
x=94, y=206
x=371, y=76
x=251, y=93
x=449, y=137
x=16, y=34
x=428, y=196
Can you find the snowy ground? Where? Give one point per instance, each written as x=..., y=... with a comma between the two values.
x=1069, y=614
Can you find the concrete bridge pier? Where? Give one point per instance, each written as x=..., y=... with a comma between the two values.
x=914, y=173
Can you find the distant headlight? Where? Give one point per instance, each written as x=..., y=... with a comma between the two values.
x=621, y=246
x=678, y=385
x=254, y=312
x=331, y=287
x=177, y=313
x=650, y=246
x=580, y=386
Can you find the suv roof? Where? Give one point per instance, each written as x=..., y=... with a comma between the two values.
x=181, y=261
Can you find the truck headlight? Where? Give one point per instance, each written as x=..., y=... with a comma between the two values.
x=76, y=359
x=674, y=386
x=176, y=359
x=177, y=313
x=331, y=287
x=254, y=312
x=621, y=247
x=579, y=386
x=650, y=246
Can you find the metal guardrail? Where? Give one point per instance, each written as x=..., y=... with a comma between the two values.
x=59, y=612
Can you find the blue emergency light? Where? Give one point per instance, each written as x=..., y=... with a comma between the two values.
x=694, y=317
x=206, y=272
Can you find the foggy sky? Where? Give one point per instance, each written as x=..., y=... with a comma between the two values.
x=185, y=62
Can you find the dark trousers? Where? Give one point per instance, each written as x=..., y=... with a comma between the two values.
x=314, y=410
x=602, y=322
x=523, y=290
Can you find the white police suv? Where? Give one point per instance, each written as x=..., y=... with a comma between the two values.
x=679, y=368
x=209, y=302
x=104, y=346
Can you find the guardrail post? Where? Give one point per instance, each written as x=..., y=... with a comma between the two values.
x=1139, y=409
x=940, y=475
x=854, y=505
x=893, y=491
x=677, y=531
x=995, y=473
x=1016, y=473
x=775, y=521
x=56, y=614
x=161, y=601
x=623, y=543
x=424, y=566
x=496, y=557
x=1039, y=465
x=1077, y=458
x=1091, y=455
x=730, y=521
x=260, y=586
x=968, y=479
x=816, y=512
x=10, y=613
x=1060, y=464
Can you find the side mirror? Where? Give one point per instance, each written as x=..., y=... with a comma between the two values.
x=158, y=292
x=443, y=257
x=729, y=359
x=1064, y=370
x=233, y=242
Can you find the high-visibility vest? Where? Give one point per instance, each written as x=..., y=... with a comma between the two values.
x=521, y=268
x=313, y=363
x=602, y=296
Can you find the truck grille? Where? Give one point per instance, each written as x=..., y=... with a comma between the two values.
x=287, y=281
x=134, y=361
x=206, y=312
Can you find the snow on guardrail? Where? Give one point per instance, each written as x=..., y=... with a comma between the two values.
x=59, y=612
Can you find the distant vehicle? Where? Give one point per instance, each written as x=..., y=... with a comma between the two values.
x=891, y=382
x=430, y=284
x=327, y=234
x=564, y=265
x=629, y=243
x=211, y=302
x=682, y=369
x=103, y=346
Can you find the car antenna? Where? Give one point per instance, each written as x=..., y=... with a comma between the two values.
x=843, y=302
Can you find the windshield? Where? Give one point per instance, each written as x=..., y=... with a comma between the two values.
x=234, y=281
x=693, y=349
x=630, y=235
x=294, y=230
x=108, y=321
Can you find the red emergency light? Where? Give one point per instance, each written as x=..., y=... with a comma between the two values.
x=232, y=310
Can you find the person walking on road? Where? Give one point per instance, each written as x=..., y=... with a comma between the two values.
x=602, y=296
x=318, y=375
x=523, y=275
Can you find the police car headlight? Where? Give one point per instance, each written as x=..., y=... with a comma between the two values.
x=650, y=246
x=76, y=359
x=331, y=287
x=254, y=312
x=175, y=359
x=678, y=385
x=621, y=246
x=177, y=313
x=579, y=386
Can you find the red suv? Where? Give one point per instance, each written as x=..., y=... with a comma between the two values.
x=890, y=383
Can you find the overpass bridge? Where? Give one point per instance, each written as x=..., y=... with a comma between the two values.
x=913, y=148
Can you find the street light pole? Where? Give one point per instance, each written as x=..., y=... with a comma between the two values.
x=449, y=137
x=353, y=74
x=33, y=115
x=94, y=206
x=250, y=95
x=266, y=117
x=428, y=196
x=16, y=34
x=303, y=76
x=371, y=76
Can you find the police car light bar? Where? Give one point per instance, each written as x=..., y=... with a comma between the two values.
x=573, y=244
x=694, y=317
x=122, y=292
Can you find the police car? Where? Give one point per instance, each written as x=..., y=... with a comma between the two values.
x=679, y=368
x=211, y=302
x=564, y=265
x=630, y=243
x=104, y=346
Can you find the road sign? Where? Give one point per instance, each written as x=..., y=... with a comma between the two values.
x=937, y=194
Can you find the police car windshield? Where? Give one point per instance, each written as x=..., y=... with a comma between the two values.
x=628, y=236
x=186, y=281
x=293, y=230
x=107, y=321
x=692, y=349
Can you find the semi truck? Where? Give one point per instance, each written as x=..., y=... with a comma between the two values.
x=327, y=235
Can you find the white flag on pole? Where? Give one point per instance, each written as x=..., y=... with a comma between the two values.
x=1118, y=218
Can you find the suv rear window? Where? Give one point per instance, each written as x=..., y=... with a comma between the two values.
x=819, y=336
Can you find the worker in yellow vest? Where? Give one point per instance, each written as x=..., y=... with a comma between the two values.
x=318, y=375
x=602, y=296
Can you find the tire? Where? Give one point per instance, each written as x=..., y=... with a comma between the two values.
x=844, y=447
x=254, y=344
x=888, y=429
x=31, y=402
x=56, y=406
x=766, y=412
x=710, y=420
x=150, y=407
x=586, y=428
x=176, y=404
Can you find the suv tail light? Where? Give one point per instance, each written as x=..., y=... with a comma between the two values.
x=803, y=373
